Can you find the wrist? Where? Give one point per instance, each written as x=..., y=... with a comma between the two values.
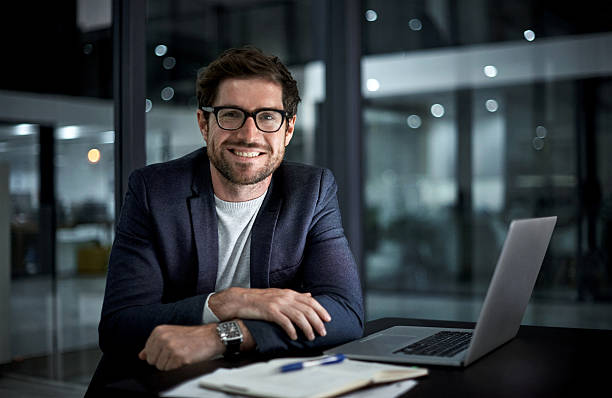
x=224, y=304
x=218, y=346
x=224, y=345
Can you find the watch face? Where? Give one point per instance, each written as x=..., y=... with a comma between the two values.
x=229, y=331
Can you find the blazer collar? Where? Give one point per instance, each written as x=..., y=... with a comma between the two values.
x=204, y=225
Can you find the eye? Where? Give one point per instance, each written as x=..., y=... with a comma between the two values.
x=230, y=114
x=269, y=116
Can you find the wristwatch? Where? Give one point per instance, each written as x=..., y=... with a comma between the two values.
x=231, y=336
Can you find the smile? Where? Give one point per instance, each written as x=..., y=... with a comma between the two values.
x=245, y=154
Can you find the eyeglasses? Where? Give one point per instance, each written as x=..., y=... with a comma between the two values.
x=231, y=118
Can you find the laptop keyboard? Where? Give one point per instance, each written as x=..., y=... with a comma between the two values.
x=441, y=344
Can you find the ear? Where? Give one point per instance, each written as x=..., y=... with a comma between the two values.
x=290, y=128
x=203, y=124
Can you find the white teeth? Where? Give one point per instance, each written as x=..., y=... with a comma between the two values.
x=247, y=154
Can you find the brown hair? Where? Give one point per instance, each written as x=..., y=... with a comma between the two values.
x=246, y=62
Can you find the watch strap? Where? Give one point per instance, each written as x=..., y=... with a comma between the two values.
x=231, y=336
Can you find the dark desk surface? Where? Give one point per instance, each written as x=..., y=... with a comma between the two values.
x=539, y=362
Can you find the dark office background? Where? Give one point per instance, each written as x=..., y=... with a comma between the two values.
x=442, y=120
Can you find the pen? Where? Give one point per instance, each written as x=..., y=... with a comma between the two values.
x=315, y=362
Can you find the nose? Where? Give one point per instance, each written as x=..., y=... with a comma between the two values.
x=249, y=130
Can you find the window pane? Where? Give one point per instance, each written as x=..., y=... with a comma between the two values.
x=57, y=76
x=463, y=138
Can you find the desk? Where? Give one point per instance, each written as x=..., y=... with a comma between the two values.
x=539, y=362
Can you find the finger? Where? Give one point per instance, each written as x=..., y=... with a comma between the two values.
x=163, y=359
x=286, y=324
x=298, y=318
x=142, y=354
x=321, y=311
x=315, y=321
x=152, y=353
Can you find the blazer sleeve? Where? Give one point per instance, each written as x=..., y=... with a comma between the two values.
x=133, y=303
x=330, y=274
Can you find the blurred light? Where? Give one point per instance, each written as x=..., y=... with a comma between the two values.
x=87, y=48
x=148, y=105
x=372, y=85
x=437, y=110
x=25, y=129
x=94, y=155
x=161, y=50
x=541, y=132
x=490, y=71
x=108, y=137
x=529, y=35
x=68, y=132
x=371, y=15
x=169, y=63
x=538, y=143
x=491, y=105
x=167, y=93
x=415, y=24
x=414, y=121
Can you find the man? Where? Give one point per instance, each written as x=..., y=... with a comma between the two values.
x=229, y=248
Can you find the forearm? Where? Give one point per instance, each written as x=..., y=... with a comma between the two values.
x=346, y=324
x=126, y=330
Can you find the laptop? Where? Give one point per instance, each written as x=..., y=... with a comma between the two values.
x=499, y=320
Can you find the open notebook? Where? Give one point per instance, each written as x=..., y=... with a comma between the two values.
x=266, y=380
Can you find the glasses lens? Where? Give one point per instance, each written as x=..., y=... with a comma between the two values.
x=269, y=120
x=230, y=118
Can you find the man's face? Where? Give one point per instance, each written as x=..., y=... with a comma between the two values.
x=247, y=155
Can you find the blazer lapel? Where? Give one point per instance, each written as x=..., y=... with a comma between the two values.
x=262, y=236
x=204, y=226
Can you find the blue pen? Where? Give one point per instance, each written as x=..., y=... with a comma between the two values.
x=315, y=362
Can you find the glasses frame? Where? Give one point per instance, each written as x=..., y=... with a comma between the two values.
x=216, y=109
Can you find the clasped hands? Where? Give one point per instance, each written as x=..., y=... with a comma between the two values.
x=171, y=346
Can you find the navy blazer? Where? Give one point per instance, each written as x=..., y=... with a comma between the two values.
x=164, y=258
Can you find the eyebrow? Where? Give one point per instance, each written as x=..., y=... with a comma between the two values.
x=254, y=110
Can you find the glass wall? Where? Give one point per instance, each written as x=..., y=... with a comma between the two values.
x=184, y=36
x=477, y=113
x=56, y=83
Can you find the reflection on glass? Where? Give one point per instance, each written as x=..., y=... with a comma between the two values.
x=371, y=15
x=530, y=140
x=415, y=24
x=490, y=71
x=541, y=132
x=93, y=155
x=160, y=50
x=169, y=63
x=437, y=110
x=372, y=85
x=167, y=93
x=410, y=193
x=414, y=121
x=491, y=105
